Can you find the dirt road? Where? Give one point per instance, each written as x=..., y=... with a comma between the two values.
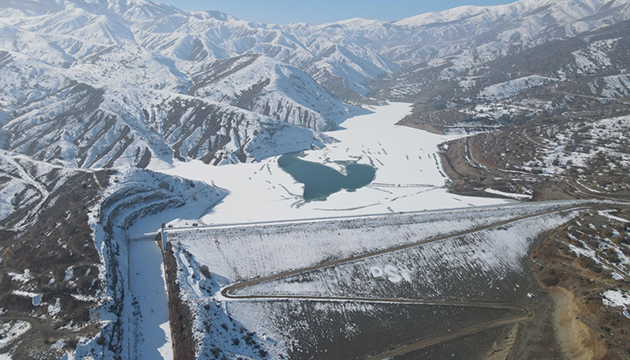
x=523, y=311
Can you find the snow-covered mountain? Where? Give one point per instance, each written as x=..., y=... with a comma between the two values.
x=471, y=33
x=93, y=84
x=269, y=87
x=582, y=77
x=78, y=88
x=99, y=83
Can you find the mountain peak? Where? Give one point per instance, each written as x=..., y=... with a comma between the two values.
x=561, y=9
x=354, y=22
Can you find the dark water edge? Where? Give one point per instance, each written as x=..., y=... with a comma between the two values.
x=320, y=181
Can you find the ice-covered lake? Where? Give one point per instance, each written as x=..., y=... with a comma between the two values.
x=404, y=175
x=408, y=177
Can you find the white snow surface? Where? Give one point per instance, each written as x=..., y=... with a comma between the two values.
x=608, y=214
x=151, y=329
x=24, y=278
x=10, y=331
x=617, y=299
x=408, y=177
x=506, y=194
x=516, y=86
x=616, y=86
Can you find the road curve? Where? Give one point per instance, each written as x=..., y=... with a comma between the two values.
x=228, y=292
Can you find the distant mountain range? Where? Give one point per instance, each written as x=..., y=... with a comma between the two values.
x=106, y=83
x=88, y=85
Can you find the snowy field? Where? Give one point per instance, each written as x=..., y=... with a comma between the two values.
x=409, y=176
x=150, y=328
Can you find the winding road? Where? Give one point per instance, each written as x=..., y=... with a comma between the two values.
x=230, y=292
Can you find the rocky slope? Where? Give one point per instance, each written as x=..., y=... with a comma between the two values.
x=583, y=77
x=63, y=252
x=99, y=83
x=52, y=277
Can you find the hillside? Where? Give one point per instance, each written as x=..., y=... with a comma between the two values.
x=101, y=83
x=580, y=78
x=118, y=117
x=64, y=253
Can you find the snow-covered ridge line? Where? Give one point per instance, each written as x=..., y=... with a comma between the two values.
x=516, y=86
x=115, y=72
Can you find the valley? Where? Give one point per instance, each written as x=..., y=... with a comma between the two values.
x=188, y=185
x=406, y=178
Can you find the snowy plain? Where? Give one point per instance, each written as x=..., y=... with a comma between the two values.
x=409, y=176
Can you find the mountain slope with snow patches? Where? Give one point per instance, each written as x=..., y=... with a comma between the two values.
x=268, y=87
x=64, y=251
x=91, y=82
x=96, y=98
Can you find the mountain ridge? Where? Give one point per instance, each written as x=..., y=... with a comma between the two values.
x=139, y=58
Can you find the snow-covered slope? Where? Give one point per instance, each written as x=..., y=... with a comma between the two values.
x=28, y=188
x=78, y=88
x=219, y=134
x=50, y=266
x=551, y=81
x=49, y=115
x=513, y=87
x=72, y=28
x=131, y=196
x=212, y=35
x=267, y=86
x=98, y=83
x=484, y=33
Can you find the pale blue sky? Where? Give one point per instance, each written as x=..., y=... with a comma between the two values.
x=323, y=11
